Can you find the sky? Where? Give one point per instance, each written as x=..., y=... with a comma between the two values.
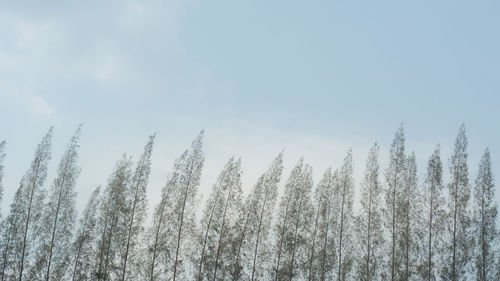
x=312, y=78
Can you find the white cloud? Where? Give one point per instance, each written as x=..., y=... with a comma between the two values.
x=31, y=34
x=40, y=106
x=120, y=49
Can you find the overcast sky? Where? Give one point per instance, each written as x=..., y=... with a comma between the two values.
x=311, y=77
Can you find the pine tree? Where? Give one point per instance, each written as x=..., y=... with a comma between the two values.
x=170, y=238
x=2, y=157
x=83, y=249
x=253, y=254
x=458, y=245
x=134, y=213
x=369, y=222
x=183, y=210
x=323, y=256
x=5, y=225
x=22, y=226
x=294, y=224
x=345, y=225
x=9, y=232
x=436, y=216
x=159, y=237
x=485, y=213
x=218, y=225
x=58, y=218
x=110, y=231
x=395, y=177
x=412, y=221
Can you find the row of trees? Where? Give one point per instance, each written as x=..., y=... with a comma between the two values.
x=401, y=231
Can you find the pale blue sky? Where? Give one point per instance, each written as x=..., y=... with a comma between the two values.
x=312, y=77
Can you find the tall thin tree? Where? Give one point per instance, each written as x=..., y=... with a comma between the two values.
x=58, y=218
x=25, y=214
x=458, y=245
x=345, y=190
x=412, y=221
x=294, y=224
x=9, y=232
x=110, y=231
x=184, y=204
x=83, y=249
x=2, y=157
x=218, y=221
x=322, y=261
x=435, y=206
x=135, y=213
x=159, y=237
x=394, y=175
x=253, y=257
x=369, y=222
x=484, y=220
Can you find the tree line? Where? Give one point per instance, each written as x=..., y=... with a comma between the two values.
x=399, y=229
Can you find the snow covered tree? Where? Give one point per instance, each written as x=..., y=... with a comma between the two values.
x=58, y=218
x=253, y=255
x=345, y=225
x=22, y=225
x=323, y=255
x=436, y=217
x=395, y=177
x=369, y=222
x=457, y=255
x=484, y=220
x=134, y=213
x=218, y=225
x=110, y=231
x=294, y=224
x=83, y=249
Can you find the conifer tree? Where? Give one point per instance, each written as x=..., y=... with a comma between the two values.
x=322, y=261
x=345, y=225
x=456, y=264
x=9, y=232
x=159, y=237
x=110, y=231
x=183, y=210
x=294, y=224
x=412, y=220
x=436, y=216
x=23, y=225
x=58, y=218
x=134, y=213
x=218, y=225
x=2, y=157
x=253, y=255
x=4, y=224
x=485, y=214
x=311, y=236
x=84, y=249
x=170, y=238
x=395, y=178
x=369, y=222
